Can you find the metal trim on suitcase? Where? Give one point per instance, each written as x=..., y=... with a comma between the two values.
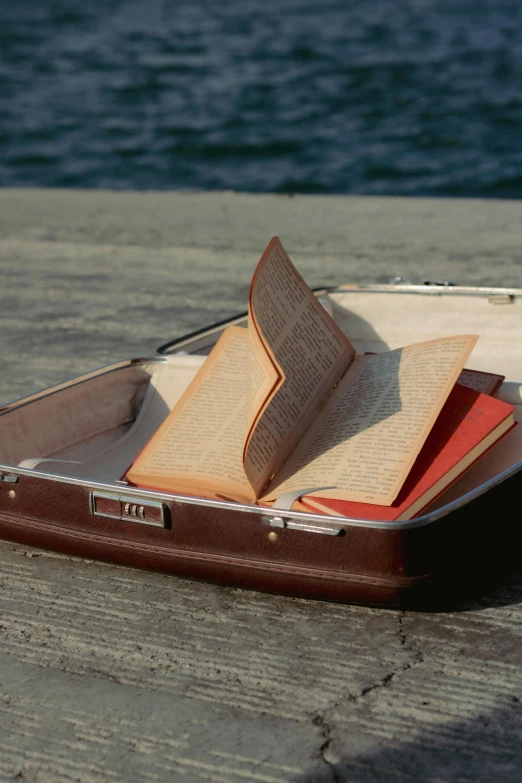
x=299, y=553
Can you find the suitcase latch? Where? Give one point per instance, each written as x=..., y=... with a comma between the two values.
x=285, y=503
x=501, y=299
x=8, y=478
x=305, y=527
x=128, y=509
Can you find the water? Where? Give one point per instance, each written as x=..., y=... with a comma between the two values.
x=417, y=97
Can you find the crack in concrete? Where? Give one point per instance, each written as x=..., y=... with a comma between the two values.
x=418, y=658
x=411, y=646
x=321, y=720
x=326, y=731
x=401, y=633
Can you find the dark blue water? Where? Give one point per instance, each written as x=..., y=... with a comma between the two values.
x=419, y=97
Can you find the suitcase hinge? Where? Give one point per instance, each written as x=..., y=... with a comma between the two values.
x=399, y=280
x=501, y=299
x=444, y=283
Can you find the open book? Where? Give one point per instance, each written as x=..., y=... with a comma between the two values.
x=469, y=424
x=287, y=404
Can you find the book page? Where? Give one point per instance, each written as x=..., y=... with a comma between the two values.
x=302, y=342
x=263, y=379
x=374, y=425
x=199, y=446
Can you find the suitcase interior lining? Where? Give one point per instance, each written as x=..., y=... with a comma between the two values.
x=384, y=321
x=93, y=430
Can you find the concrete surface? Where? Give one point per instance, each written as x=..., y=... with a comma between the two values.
x=110, y=674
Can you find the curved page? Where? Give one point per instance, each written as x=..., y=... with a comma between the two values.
x=300, y=356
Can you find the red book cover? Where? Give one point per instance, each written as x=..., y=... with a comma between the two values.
x=468, y=425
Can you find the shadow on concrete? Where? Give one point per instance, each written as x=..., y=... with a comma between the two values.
x=484, y=749
x=506, y=590
x=474, y=591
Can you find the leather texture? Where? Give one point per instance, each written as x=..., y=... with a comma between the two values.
x=363, y=565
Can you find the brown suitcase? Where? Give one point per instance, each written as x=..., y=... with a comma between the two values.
x=63, y=451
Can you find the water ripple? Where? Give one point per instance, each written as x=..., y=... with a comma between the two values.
x=259, y=95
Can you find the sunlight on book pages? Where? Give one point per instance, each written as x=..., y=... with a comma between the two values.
x=287, y=403
x=469, y=424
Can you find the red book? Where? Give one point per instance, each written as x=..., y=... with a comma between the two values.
x=468, y=425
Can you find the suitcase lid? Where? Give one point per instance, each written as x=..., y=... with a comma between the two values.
x=379, y=317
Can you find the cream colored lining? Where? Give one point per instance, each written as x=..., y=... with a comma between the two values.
x=94, y=429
